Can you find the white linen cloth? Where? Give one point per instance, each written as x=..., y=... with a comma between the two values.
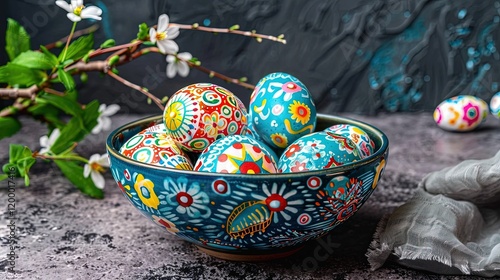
x=450, y=226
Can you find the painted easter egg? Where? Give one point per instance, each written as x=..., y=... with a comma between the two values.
x=357, y=135
x=317, y=151
x=461, y=113
x=282, y=110
x=495, y=105
x=197, y=115
x=237, y=154
x=250, y=130
x=154, y=147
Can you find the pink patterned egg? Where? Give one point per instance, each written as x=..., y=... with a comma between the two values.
x=197, y=115
x=237, y=154
x=153, y=146
x=461, y=113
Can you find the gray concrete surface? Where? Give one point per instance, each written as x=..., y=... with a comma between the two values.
x=62, y=234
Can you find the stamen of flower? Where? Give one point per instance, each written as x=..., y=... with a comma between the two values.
x=78, y=10
x=97, y=167
x=161, y=36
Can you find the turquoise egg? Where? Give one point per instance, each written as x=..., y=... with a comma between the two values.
x=357, y=135
x=317, y=151
x=282, y=110
x=237, y=154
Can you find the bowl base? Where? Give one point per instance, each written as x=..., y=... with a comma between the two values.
x=251, y=257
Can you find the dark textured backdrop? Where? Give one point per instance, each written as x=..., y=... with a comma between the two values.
x=358, y=56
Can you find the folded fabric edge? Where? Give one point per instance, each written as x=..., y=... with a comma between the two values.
x=378, y=253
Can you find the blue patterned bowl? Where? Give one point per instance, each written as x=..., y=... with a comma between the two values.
x=247, y=217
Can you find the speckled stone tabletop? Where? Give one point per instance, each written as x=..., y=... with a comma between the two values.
x=63, y=234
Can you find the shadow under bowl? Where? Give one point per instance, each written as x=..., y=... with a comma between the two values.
x=244, y=217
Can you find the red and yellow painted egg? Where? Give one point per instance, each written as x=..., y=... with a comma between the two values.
x=152, y=146
x=197, y=115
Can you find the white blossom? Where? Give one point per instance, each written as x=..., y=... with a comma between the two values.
x=77, y=11
x=95, y=167
x=178, y=64
x=163, y=36
x=104, y=122
x=46, y=142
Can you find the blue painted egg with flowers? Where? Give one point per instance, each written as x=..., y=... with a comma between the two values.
x=282, y=110
x=318, y=151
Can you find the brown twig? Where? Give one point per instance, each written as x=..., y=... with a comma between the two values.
x=138, y=88
x=229, y=30
x=14, y=93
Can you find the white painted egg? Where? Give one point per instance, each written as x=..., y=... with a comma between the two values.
x=461, y=113
x=495, y=105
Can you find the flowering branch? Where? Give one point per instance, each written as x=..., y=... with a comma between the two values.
x=31, y=77
x=233, y=30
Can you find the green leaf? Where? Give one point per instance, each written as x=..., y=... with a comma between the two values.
x=108, y=43
x=52, y=57
x=66, y=79
x=79, y=47
x=74, y=173
x=72, y=132
x=91, y=114
x=17, y=40
x=143, y=32
x=24, y=165
x=17, y=152
x=3, y=177
x=14, y=74
x=9, y=126
x=66, y=105
x=34, y=60
x=20, y=158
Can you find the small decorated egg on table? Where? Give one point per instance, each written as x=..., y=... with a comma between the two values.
x=282, y=110
x=461, y=113
x=357, y=135
x=495, y=105
x=237, y=154
x=317, y=151
x=152, y=146
x=197, y=115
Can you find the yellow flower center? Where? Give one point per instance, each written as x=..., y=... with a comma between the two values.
x=78, y=10
x=161, y=36
x=97, y=167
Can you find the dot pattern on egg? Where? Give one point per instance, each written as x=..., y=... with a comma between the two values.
x=156, y=148
x=197, y=115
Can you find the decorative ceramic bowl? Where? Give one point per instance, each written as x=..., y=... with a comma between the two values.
x=247, y=217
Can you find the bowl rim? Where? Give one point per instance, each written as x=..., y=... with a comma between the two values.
x=333, y=171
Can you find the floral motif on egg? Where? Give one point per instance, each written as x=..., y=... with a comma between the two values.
x=357, y=135
x=461, y=113
x=197, y=115
x=282, y=109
